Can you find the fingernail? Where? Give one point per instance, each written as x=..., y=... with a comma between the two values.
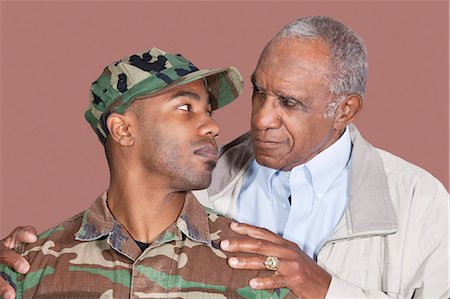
x=234, y=225
x=33, y=237
x=232, y=261
x=253, y=283
x=224, y=244
x=23, y=268
x=8, y=295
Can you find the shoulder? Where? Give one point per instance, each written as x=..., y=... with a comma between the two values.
x=38, y=254
x=234, y=157
x=420, y=200
x=235, y=154
x=219, y=226
x=59, y=236
x=402, y=174
x=217, y=220
x=403, y=178
x=220, y=230
x=240, y=142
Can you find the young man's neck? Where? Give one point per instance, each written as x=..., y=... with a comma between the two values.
x=144, y=205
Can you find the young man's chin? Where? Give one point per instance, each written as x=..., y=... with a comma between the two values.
x=203, y=181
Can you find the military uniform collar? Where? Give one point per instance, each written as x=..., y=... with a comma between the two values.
x=98, y=222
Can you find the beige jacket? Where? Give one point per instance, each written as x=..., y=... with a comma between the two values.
x=393, y=241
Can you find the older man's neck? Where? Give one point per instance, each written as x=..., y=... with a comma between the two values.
x=144, y=205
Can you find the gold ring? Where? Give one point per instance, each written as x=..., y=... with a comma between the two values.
x=271, y=263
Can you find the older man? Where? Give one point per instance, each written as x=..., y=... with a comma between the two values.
x=347, y=220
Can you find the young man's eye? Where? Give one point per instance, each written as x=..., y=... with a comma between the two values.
x=185, y=107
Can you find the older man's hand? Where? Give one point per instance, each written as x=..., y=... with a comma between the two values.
x=21, y=234
x=296, y=270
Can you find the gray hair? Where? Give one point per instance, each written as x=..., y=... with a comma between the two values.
x=348, y=52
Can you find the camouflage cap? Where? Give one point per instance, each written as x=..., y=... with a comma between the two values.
x=146, y=73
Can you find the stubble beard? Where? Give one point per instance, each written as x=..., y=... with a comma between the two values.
x=181, y=171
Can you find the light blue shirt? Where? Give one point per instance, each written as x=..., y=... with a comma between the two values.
x=318, y=191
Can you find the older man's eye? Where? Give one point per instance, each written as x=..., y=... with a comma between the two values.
x=289, y=102
x=292, y=103
x=185, y=107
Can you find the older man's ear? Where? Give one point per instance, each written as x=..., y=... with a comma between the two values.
x=348, y=110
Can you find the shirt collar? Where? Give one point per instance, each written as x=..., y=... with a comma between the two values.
x=326, y=166
x=193, y=221
x=98, y=222
x=268, y=175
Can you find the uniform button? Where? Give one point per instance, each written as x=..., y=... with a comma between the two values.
x=135, y=274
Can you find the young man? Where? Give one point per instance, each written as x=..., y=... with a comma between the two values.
x=146, y=236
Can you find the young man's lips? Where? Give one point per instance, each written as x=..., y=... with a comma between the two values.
x=208, y=151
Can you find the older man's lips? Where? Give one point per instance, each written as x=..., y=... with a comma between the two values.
x=266, y=143
x=208, y=152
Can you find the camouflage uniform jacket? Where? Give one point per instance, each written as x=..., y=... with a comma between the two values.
x=91, y=255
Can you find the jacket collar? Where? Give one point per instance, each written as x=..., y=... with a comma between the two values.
x=98, y=222
x=370, y=209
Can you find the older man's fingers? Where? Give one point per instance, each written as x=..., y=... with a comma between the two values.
x=258, y=246
x=6, y=291
x=259, y=233
x=14, y=260
x=254, y=262
x=293, y=268
x=21, y=234
x=273, y=282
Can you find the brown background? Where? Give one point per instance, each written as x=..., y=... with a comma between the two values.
x=52, y=165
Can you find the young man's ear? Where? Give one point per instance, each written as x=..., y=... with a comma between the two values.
x=349, y=108
x=120, y=129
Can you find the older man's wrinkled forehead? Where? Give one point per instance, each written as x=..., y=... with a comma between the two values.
x=287, y=53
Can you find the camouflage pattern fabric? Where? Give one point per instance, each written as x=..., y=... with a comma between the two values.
x=149, y=72
x=92, y=256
